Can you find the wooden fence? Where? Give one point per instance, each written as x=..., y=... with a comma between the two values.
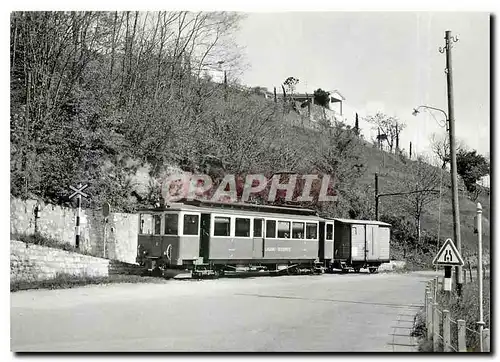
x=446, y=334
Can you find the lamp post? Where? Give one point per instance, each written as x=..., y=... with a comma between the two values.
x=454, y=186
x=416, y=111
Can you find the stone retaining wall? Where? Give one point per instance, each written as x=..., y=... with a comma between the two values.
x=59, y=223
x=29, y=262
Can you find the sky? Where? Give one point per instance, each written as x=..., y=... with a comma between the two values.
x=379, y=61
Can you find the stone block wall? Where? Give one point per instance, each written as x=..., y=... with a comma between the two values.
x=118, y=267
x=54, y=221
x=59, y=223
x=29, y=262
x=122, y=234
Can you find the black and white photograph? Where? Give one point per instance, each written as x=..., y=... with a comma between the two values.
x=277, y=180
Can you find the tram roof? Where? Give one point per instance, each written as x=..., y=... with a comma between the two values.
x=213, y=206
x=364, y=222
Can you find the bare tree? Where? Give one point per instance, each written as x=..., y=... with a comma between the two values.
x=423, y=180
x=390, y=128
x=87, y=85
x=440, y=146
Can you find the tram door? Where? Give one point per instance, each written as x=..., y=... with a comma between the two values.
x=205, y=237
x=258, y=240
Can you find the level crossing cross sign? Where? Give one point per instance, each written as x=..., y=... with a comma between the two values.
x=448, y=255
x=78, y=191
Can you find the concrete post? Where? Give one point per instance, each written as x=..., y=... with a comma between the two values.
x=486, y=340
x=427, y=309
x=435, y=325
x=479, y=211
x=425, y=301
x=429, y=318
x=461, y=336
x=446, y=331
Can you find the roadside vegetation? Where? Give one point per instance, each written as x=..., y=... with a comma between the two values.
x=65, y=281
x=466, y=308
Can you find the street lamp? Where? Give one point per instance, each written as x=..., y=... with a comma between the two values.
x=454, y=186
x=416, y=112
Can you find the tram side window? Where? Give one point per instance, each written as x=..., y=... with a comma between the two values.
x=284, y=229
x=329, y=232
x=242, y=227
x=171, y=224
x=146, y=224
x=311, y=231
x=270, y=229
x=298, y=230
x=157, y=223
x=222, y=226
x=191, y=224
x=257, y=228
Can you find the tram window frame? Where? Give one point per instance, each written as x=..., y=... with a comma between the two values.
x=274, y=228
x=308, y=230
x=237, y=231
x=229, y=218
x=142, y=223
x=326, y=231
x=301, y=231
x=286, y=233
x=168, y=215
x=257, y=232
x=157, y=226
x=197, y=230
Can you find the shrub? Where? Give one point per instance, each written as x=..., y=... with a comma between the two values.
x=467, y=308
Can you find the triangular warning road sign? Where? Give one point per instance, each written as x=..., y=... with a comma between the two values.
x=448, y=255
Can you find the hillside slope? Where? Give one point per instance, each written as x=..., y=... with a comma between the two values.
x=391, y=171
x=437, y=218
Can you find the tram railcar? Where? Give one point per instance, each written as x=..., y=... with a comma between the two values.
x=360, y=244
x=215, y=238
x=211, y=238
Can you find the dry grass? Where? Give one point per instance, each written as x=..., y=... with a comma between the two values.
x=65, y=281
x=42, y=240
x=466, y=308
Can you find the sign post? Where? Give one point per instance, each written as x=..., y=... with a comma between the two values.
x=105, y=212
x=448, y=256
x=78, y=192
x=479, y=228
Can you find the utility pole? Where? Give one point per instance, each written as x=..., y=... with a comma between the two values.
x=379, y=195
x=225, y=86
x=453, y=154
x=397, y=139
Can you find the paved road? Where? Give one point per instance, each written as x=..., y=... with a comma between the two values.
x=329, y=313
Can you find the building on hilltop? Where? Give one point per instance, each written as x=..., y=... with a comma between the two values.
x=335, y=104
